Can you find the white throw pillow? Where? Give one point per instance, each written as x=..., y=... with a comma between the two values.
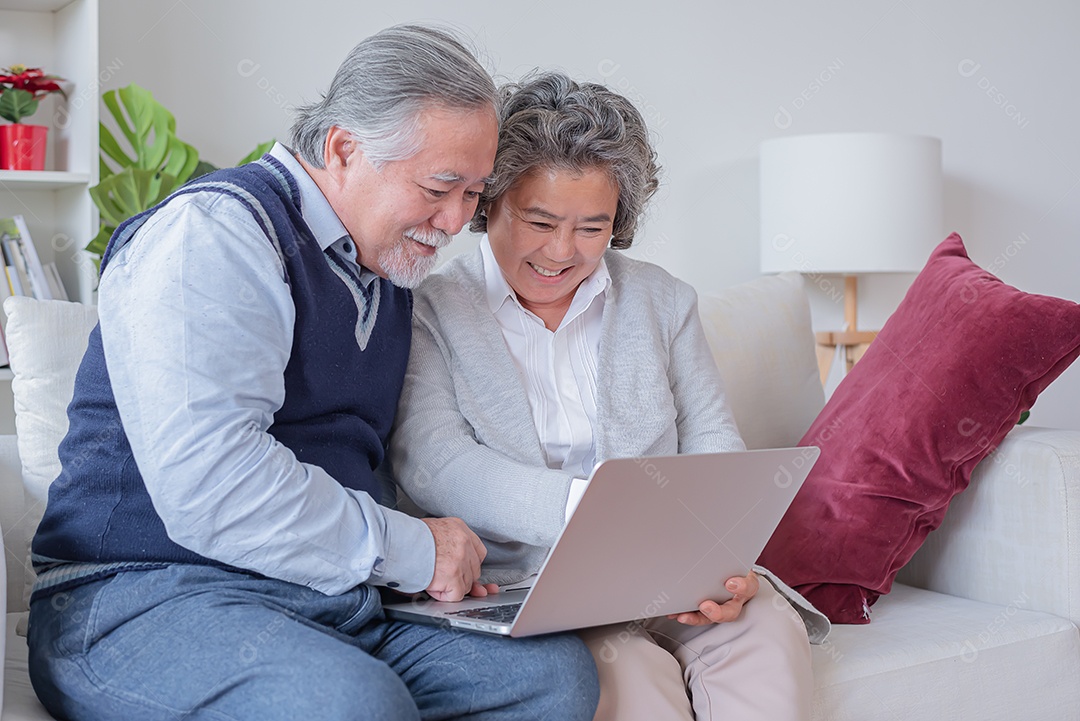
x=763, y=344
x=46, y=340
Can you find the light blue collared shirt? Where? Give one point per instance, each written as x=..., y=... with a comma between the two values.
x=197, y=328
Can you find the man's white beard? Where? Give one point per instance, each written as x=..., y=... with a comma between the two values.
x=402, y=266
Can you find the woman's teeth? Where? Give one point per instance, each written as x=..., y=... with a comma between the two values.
x=545, y=272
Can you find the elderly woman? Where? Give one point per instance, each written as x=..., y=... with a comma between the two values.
x=547, y=351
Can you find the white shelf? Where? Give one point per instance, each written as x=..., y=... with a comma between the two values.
x=60, y=36
x=41, y=179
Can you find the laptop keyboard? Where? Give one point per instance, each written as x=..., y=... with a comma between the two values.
x=500, y=614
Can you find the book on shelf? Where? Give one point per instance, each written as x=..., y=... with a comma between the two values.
x=26, y=275
x=56, y=284
x=15, y=265
x=14, y=285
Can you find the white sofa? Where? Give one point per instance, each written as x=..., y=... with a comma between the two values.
x=983, y=627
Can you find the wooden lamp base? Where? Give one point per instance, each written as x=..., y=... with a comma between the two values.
x=855, y=342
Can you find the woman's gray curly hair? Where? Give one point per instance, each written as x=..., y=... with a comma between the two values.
x=549, y=121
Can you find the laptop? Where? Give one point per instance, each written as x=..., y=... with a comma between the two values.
x=651, y=536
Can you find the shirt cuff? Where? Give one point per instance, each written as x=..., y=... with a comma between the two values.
x=577, y=490
x=409, y=565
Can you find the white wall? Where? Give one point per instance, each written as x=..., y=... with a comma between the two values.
x=995, y=80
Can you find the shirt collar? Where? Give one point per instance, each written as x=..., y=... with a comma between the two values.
x=498, y=291
x=314, y=207
x=319, y=214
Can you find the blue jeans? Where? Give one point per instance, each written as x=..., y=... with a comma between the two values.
x=195, y=642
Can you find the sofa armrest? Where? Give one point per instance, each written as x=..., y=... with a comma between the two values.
x=1013, y=537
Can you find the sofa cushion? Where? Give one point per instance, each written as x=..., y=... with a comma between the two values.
x=1016, y=527
x=932, y=656
x=946, y=379
x=46, y=341
x=20, y=701
x=761, y=337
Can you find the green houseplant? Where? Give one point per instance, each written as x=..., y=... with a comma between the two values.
x=153, y=164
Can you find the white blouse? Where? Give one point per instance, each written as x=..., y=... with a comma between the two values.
x=557, y=368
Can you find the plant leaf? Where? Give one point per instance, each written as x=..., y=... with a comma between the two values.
x=182, y=160
x=260, y=150
x=16, y=104
x=202, y=169
x=112, y=149
x=158, y=161
x=146, y=117
x=100, y=242
x=149, y=129
x=111, y=100
x=130, y=192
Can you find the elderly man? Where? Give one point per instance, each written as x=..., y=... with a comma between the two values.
x=214, y=544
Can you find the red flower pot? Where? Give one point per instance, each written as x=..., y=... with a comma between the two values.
x=22, y=147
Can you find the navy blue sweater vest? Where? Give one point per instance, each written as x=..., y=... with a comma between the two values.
x=339, y=402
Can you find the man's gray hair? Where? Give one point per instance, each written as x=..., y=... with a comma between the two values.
x=382, y=87
x=549, y=121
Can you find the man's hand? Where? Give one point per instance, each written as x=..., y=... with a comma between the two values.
x=458, y=554
x=743, y=589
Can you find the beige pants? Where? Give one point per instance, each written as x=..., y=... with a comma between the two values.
x=755, y=668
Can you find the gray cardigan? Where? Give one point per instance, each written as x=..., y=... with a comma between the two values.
x=464, y=442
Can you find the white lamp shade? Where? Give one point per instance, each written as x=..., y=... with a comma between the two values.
x=850, y=203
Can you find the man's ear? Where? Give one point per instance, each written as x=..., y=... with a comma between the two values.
x=340, y=149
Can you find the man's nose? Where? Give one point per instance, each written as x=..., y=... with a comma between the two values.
x=452, y=215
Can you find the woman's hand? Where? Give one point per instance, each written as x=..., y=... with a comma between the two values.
x=743, y=589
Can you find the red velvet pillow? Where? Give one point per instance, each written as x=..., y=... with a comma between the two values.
x=946, y=379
